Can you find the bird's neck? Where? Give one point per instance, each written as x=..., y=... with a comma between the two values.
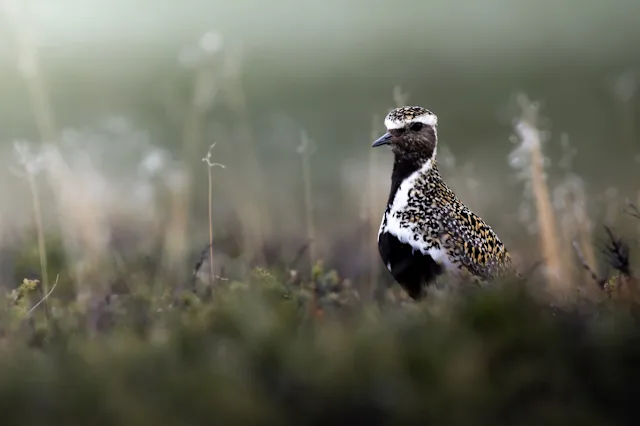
x=404, y=166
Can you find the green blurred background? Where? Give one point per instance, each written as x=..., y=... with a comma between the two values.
x=330, y=65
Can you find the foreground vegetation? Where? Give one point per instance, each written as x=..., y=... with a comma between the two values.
x=308, y=350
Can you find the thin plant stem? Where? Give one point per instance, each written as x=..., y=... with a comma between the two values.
x=42, y=248
x=202, y=98
x=250, y=202
x=400, y=98
x=29, y=65
x=305, y=151
x=210, y=202
x=44, y=299
x=586, y=239
x=41, y=239
x=210, y=166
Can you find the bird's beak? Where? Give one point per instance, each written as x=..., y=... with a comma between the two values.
x=382, y=140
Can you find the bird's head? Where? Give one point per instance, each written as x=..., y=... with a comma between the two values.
x=411, y=133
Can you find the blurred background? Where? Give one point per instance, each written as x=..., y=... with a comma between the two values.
x=107, y=109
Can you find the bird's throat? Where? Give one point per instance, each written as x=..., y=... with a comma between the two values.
x=405, y=166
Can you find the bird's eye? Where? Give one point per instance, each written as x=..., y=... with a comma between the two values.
x=416, y=127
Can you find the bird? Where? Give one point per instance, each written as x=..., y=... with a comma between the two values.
x=426, y=232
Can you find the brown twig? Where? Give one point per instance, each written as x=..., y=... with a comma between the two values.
x=617, y=252
x=618, y=255
x=632, y=210
x=301, y=251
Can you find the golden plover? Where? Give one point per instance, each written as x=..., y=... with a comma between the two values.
x=426, y=231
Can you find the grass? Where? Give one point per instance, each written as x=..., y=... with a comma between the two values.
x=530, y=145
x=250, y=353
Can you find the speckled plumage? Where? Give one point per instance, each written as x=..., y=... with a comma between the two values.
x=425, y=230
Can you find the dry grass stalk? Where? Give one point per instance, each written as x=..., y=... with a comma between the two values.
x=576, y=227
x=83, y=220
x=202, y=97
x=305, y=149
x=545, y=218
x=531, y=141
x=31, y=165
x=42, y=247
x=210, y=166
x=80, y=218
x=400, y=98
x=29, y=66
x=568, y=231
x=249, y=196
x=175, y=239
x=625, y=90
x=591, y=273
x=585, y=240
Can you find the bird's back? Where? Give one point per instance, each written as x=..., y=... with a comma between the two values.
x=472, y=244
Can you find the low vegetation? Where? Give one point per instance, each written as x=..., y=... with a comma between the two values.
x=307, y=349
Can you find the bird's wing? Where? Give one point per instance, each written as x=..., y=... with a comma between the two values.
x=479, y=249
